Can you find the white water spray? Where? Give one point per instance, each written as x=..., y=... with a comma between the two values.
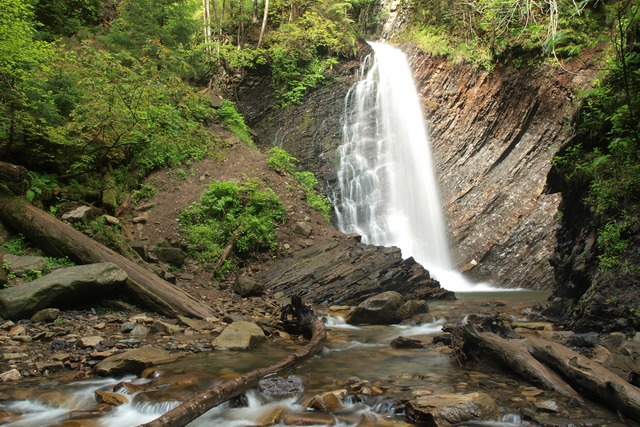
x=386, y=177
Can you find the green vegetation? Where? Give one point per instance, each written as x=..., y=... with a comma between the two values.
x=92, y=88
x=16, y=246
x=280, y=160
x=244, y=215
x=316, y=200
x=602, y=161
x=235, y=122
x=483, y=31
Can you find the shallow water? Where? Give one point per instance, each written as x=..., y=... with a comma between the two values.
x=362, y=351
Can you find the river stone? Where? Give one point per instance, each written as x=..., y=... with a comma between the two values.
x=380, y=309
x=21, y=265
x=412, y=308
x=165, y=328
x=46, y=316
x=327, y=402
x=247, y=287
x=451, y=408
x=115, y=399
x=239, y=336
x=133, y=361
x=281, y=387
x=404, y=342
x=63, y=287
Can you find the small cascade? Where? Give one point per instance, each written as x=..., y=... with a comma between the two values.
x=389, y=193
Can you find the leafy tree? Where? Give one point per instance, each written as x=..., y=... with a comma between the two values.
x=172, y=23
x=603, y=160
x=64, y=18
x=25, y=104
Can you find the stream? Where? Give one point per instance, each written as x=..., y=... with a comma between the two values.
x=350, y=351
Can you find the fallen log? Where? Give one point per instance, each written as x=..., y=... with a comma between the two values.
x=589, y=376
x=15, y=177
x=201, y=403
x=515, y=355
x=58, y=238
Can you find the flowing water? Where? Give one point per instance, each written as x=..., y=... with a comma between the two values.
x=362, y=351
x=388, y=189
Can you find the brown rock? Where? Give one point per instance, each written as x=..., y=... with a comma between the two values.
x=10, y=375
x=114, y=399
x=451, y=408
x=133, y=361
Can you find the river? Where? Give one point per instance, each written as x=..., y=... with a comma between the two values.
x=350, y=351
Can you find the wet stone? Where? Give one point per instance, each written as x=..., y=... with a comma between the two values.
x=281, y=387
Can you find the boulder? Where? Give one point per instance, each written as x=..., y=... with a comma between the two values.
x=380, y=309
x=46, y=316
x=445, y=409
x=247, y=287
x=21, y=265
x=239, y=336
x=61, y=288
x=412, y=308
x=170, y=255
x=133, y=361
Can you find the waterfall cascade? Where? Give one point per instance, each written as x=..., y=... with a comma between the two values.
x=386, y=177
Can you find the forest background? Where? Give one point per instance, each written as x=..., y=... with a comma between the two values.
x=96, y=94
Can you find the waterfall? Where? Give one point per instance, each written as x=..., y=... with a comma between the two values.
x=389, y=193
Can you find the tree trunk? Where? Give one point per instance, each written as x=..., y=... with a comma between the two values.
x=198, y=405
x=515, y=355
x=60, y=239
x=264, y=22
x=589, y=375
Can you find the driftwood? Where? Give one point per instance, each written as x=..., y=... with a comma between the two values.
x=60, y=239
x=515, y=355
x=198, y=405
x=589, y=376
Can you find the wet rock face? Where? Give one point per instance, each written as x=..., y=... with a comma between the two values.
x=494, y=136
x=348, y=272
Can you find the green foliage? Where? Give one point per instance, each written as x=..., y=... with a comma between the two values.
x=144, y=192
x=316, y=200
x=244, y=212
x=233, y=120
x=613, y=239
x=279, y=159
x=39, y=184
x=132, y=113
x=16, y=246
x=172, y=24
x=482, y=31
x=303, y=49
x=602, y=160
x=64, y=18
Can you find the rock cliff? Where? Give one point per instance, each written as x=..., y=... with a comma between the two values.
x=493, y=135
